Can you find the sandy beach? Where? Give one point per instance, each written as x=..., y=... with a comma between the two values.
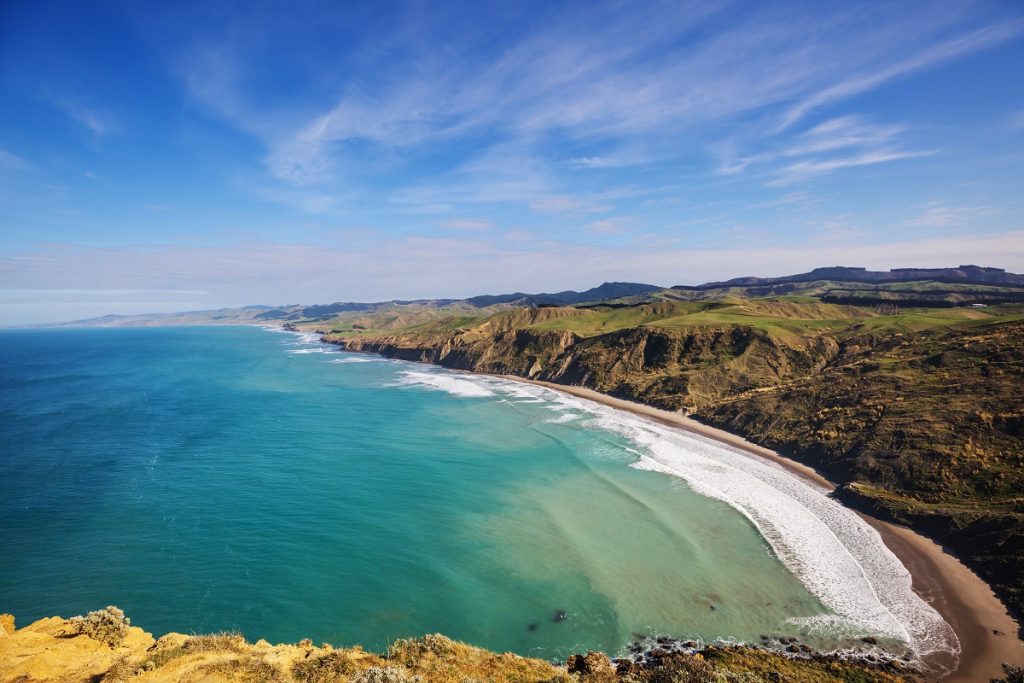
x=987, y=633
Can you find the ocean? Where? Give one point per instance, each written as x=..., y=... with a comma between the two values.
x=237, y=478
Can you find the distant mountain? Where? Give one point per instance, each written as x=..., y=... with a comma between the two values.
x=962, y=274
x=603, y=292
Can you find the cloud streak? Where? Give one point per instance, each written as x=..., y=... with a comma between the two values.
x=593, y=79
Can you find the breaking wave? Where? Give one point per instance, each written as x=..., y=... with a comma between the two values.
x=838, y=556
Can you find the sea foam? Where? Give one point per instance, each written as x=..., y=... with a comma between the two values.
x=448, y=382
x=840, y=558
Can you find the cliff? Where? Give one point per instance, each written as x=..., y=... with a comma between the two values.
x=104, y=647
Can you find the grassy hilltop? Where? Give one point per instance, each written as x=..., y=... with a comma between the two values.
x=910, y=394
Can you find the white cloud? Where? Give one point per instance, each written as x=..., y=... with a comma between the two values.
x=12, y=162
x=467, y=224
x=930, y=56
x=98, y=124
x=594, y=73
x=944, y=215
x=804, y=170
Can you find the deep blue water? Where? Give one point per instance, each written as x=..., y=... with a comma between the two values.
x=214, y=478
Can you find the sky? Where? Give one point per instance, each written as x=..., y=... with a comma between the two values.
x=180, y=156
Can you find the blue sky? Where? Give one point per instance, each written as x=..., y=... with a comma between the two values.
x=170, y=156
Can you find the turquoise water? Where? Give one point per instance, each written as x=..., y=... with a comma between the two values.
x=235, y=478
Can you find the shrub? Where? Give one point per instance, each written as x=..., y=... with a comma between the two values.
x=324, y=669
x=684, y=669
x=383, y=674
x=413, y=649
x=108, y=625
x=226, y=641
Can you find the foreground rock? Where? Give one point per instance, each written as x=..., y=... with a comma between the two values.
x=104, y=646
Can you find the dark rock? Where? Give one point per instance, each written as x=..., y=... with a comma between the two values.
x=591, y=664
x=532, y=627
x=870, y=640
x=560, y=615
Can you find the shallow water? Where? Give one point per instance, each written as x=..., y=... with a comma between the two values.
x=220, y=478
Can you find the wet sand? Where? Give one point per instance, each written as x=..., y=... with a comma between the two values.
x=958, y=594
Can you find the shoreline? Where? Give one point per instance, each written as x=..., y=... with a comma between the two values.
x=962, y=598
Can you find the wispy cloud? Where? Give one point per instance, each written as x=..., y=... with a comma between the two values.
x=803, y=170
x=467, y=224
x=97, y=123
x=930, y=56
x=593, y=77
x=12, y=162
x=940, y=214
x=843, y=142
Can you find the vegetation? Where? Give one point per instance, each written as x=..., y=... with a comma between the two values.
x=108, y=625
x=43, y=651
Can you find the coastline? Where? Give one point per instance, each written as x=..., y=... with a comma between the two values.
x=962, y=598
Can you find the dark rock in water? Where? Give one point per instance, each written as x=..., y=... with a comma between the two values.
x=805, y=648
x=712, y=607
x=636, y=648
x=560, y=615
x=870, y=640
x=532, y=627
x=664, y=640
x=692, y=644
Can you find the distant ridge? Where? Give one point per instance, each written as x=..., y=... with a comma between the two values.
x=968, y=274
x=606, y=292
x=603, y=292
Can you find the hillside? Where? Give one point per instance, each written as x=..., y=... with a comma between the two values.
x=918, y=411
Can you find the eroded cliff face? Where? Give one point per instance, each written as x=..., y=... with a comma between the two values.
x=673, y=369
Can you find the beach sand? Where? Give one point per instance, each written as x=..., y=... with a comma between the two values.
x=958, y=594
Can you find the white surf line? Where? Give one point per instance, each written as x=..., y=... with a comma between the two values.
x=838, y=557
x=443, y=381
